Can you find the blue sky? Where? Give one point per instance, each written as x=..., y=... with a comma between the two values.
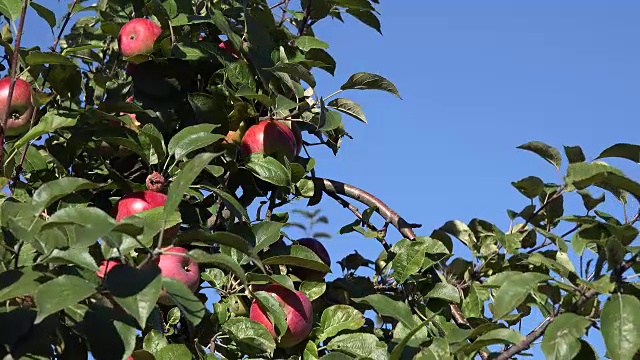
x=477, y=80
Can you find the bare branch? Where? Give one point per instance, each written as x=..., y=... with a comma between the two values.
x=350, y=191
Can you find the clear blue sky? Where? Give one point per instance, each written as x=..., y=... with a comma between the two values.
x=478, y=79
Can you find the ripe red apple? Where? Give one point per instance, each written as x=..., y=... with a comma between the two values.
x=106, y=266
x=269, y=137
x=138, y=36
x=323, y=254
x=21, y=108
x=297, y=309
x=181, y=268
x=137, y=202
x=228, y=47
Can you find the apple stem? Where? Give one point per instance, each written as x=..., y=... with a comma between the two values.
x=14, y=72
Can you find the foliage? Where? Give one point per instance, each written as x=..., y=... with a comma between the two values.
x=65, y=174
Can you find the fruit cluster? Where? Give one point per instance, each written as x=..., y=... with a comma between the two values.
x=267, y=136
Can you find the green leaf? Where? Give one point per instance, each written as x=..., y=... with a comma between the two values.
x=562, y=338
x=184, y=298
x=46, y=14
x=174, y=352
x=50, y=122
x=274, y=310
x=369, y=81
x=42, y=58
x=310, y=351
x=185, y=178
x=385, y=306
x=622, y=150
x=223, y=260
x=461, y=231
x=514, y=291
x=368, y=18
x=11, y=8
x=90, y=224
x=309, y=42
x=313, y=289
x=135, y=290
x=15, y=283
x=409, y=258
x=154, y=341
x=266, y=233
x=620, y=326
x=218, y=237
x=152, y=144
x=348, y=107
x=397, y=351
x=297, y=71
x=531, y=186
x=104, y=327
x=186, y=133
x=54, y=190
x=231, y=203
x=444, y=291
x=337, y=318
x=57, y=294
x=574, y=154
x=360, y=345
x=298, y=255
x=547, y=152
x=246, y=92
x=78, y=256
x=497, y=336
x=583, y=175
x=252, y=333
x=195, y=142
x=269, y=169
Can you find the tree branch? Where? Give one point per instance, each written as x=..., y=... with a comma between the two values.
x=14, y=73
x=350, y=191
x=347, y=205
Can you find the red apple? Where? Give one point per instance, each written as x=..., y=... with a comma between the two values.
x=323, y=254
x=106, y=266
x=297, y=309
x=228, y=47
x=138, y=36
x=138, y=202
x=181, y=268
x=269, y=137
x=21, y=108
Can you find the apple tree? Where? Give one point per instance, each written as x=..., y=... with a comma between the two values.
x=135, y=145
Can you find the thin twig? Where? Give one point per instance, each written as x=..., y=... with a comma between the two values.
x=347, y=205
x=284, y=12
x=523, y=228
x=302, y=27
x=276, y=5
x=14, y=72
